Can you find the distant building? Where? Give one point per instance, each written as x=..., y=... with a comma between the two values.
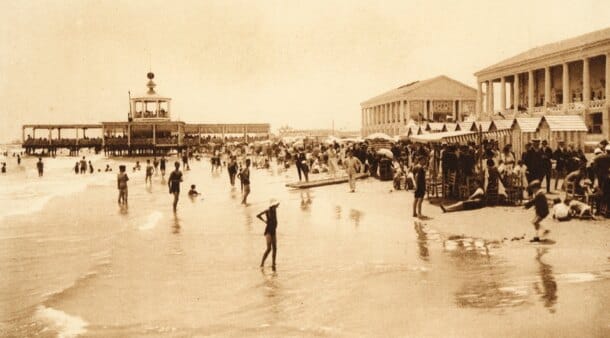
x=317, y=134
x=438, y=99
x=565, y=77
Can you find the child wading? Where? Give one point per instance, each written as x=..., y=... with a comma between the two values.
x=121, y=180
x=271, y=221
x=541, y=206
x=174, y=183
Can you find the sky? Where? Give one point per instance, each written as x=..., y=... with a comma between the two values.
x=305, y=64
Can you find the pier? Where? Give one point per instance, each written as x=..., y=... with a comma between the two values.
x=148, y=130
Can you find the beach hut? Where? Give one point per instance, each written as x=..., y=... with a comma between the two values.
x=523, y=130
x=569, y=128
x=500, y=130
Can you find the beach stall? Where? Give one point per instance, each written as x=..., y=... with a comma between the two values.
x=451, y=126
x=500, y=131
x=523, y=130
x=568, y=128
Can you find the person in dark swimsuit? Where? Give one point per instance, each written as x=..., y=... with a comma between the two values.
x=162, y=166
x=174, y=183
x=270, y=231
x=420, y=186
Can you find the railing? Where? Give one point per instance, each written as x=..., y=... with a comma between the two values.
x=167, y=140
x=539, y=109
x=190, y=141
x=596, y=104
x=116, y=141
x=555, y=108
x=574, y=106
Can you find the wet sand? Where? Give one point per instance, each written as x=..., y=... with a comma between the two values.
x=348, y=265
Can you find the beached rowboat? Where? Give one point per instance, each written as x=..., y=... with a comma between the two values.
x=323, y=182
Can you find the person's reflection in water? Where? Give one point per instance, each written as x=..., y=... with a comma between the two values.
x=355, y=216
x=549, y=286
x=123, y=209
x=305, y=200
x=176, y=225
x=272, y=290
x=338, y=211
x=422, y=241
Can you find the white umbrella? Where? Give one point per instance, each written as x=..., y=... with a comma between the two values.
x=379, y=136
x=385, y=152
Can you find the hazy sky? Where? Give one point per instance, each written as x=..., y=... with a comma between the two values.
x=301, y=63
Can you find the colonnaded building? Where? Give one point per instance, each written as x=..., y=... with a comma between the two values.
x=566, y=77
x=437, y=99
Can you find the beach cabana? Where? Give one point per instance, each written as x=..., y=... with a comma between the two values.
x=569, y=128
x=524, y=129
x=467, y=126
x=500, y=130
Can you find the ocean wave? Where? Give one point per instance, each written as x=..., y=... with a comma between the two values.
x=64, y=324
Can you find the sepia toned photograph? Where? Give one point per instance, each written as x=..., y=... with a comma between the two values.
x=341, y=168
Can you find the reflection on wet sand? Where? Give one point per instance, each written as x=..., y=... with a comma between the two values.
x=272, y=293
x=422, y=241
x=355, y=216
x=305, y=200
x=484, y=276
x=176, y=225
x=549, y=285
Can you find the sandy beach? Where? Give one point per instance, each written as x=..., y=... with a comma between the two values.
x=348, y=264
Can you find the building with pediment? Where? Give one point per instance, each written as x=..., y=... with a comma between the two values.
x=438, y=99
x=565, y=77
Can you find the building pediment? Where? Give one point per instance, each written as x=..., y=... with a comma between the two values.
x=437, y=88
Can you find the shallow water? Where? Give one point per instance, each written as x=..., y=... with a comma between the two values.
x=348, y=264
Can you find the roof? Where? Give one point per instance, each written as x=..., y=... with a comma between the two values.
x=437, y=137
x=565, y=122
x=485, y=125
x=466, y=125
x=451, y=126
x=528, y=124
x=440, y=87
x=435, y=126
x=503, y=124
x=552, y=48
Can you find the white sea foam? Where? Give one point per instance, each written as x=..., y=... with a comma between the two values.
x=578, y=277
x=26, y=192
x=65, y=324
x=152, y=220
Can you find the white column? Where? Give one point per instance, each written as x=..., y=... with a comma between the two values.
x=402, y=112
x=479, y=98
x=408, y=111
x=547, y=85
x=458, y=111
x=566, y=86
x=431, y=112
x=511, y=91
x=531, y=101
x=586, y=85
x=607, y=79
x=425, y=114
x=502, y=94
x=491, y=98
x=516, y=98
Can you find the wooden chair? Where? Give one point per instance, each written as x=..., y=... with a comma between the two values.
x=449, y=185
x=571, y=191
x=434, y=185
x=514, y=190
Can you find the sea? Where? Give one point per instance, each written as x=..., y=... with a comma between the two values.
x=75, y=264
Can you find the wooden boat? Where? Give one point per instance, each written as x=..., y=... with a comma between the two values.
x=323, y=182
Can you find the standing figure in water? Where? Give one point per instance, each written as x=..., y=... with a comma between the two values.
x=174, y=183
x=244, y=177
x=162, y=166
x=232, y=169
x=121, y=180
x=149, y=172
x=40, y=167
x=271, y=221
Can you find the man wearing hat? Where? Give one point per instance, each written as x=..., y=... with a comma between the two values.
x=561, y=157
x=541, y=207
x=533, y=161
x=546, y=153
